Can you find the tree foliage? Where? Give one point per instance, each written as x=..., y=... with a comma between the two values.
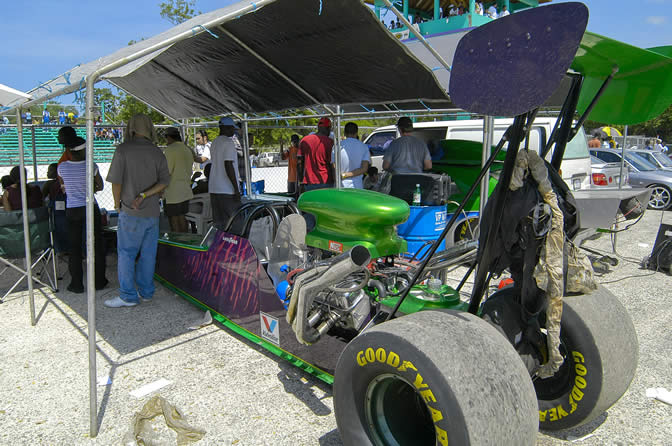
x=177, y=11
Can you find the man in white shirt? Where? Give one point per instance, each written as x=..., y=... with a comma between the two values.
x=492, y=12
x=355, y=158
x=224, y=179
x=504, y=12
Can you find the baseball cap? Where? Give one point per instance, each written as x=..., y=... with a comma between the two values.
x=172, y=131
x=324, y=122
x=226, y=121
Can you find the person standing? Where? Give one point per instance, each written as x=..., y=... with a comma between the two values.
x=61, y=117
x=407, y=154
x=178, y=193
x=73, y=173
x=355, y=158
x=46, y=117
x=138, y=173
x=224, y=178
x=316, y=152
x=202, y=149
x=292, y=159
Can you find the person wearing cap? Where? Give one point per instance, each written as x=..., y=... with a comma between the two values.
x=73, y=174
x=355, y=158
x=138, y=173
x=292, y=159
x=316, y=152
x=407, y=154
x=178, y=193
x=224, y=176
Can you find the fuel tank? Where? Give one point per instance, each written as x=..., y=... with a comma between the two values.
x=349, y=217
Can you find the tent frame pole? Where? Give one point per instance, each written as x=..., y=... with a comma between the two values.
x=246, y=155
x=24, y=210
x=91, y=80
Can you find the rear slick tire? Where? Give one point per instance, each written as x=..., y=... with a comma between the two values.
x=433, y=378
x=599, y=343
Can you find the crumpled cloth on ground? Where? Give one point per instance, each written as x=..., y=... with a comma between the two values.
x=142, y=434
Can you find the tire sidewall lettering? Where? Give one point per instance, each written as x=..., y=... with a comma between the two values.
x=390, y=359
x=576, y=394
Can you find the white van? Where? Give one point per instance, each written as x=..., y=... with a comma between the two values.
x=575, y=169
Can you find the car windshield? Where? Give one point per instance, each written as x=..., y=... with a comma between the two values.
x=640, y=163
x=577, y=147
x=662, y=159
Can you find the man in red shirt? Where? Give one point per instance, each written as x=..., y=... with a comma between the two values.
x=316, y=152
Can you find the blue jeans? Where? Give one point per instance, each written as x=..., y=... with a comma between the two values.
x=136, y=234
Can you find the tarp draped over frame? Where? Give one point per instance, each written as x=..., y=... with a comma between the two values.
x=338, y=53
x=9, y=95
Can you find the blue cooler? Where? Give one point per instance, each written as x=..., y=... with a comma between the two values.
x=425, y=223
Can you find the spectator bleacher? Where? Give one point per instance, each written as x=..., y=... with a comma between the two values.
x=48, y=150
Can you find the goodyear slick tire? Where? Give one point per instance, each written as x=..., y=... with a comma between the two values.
x=434, y=377
x=600, y=346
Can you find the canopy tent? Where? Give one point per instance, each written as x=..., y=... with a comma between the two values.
x=248, y=57
x=284, y=55
x=9, y=95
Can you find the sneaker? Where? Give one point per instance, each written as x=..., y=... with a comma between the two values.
x=75, y=289
x=145, y=299
x=118, y=302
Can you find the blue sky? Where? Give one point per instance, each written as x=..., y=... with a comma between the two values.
x=45, y=38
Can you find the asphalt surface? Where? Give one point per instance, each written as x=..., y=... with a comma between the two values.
x=241, y=394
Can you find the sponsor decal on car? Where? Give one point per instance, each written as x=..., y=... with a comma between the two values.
x=335, y=246
x=270, y=328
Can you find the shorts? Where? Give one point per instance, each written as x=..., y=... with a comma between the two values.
x=176, y=209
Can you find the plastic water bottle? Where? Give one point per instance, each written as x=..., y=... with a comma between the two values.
x=417, y=195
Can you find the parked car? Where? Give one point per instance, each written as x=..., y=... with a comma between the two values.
x=642, y=173
x=655, y=157
x=606, y=175
x=267, y=159
x=575, y=169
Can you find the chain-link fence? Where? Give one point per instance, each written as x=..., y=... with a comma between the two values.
x=41, y=148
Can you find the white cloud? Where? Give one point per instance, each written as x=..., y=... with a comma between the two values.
x=656, y=19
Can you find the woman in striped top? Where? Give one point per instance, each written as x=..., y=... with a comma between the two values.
x=73, y=173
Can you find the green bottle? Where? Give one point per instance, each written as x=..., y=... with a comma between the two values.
x=417, y=195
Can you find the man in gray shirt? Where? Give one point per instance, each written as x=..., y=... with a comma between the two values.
x=138, y=173
x=407, y=154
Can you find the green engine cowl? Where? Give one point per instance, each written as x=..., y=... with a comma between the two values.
x=349, y=217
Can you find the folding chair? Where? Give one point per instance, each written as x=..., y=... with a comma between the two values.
x=200, y=212
x=12, y=248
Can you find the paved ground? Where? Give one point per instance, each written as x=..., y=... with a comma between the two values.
x=242, y=395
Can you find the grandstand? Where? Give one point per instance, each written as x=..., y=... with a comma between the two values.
x=48, y=150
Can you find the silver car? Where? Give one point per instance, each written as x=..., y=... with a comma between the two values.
x=655, y=157
x=606, y=175
x=642, y=174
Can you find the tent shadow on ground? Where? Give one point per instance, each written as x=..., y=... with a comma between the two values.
x=126, y=330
